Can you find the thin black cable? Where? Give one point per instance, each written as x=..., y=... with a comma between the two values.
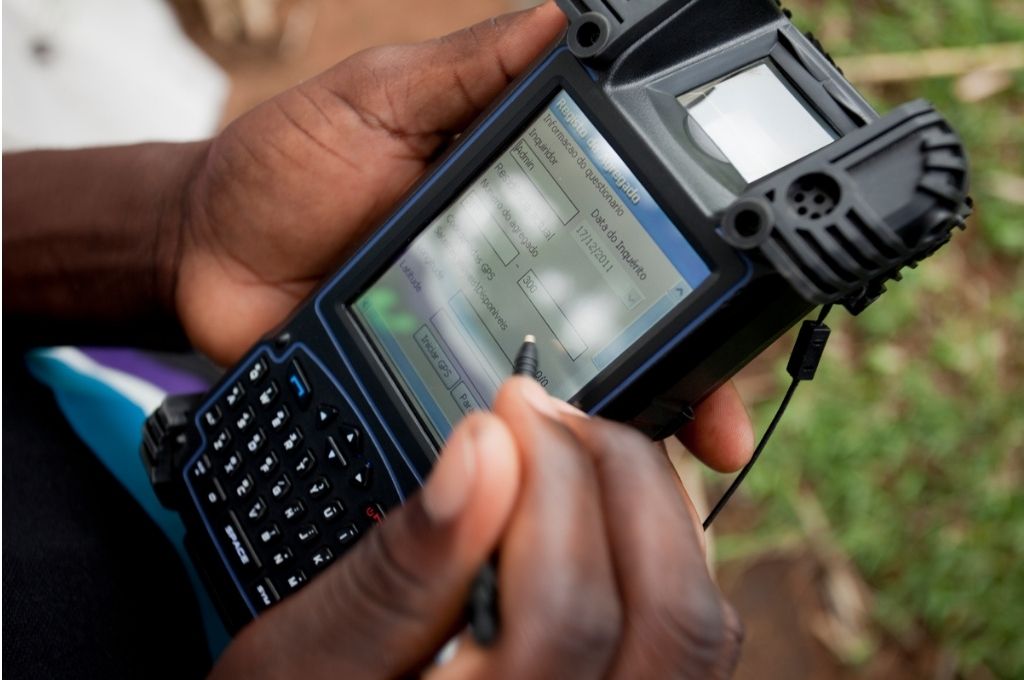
x=823, y=314
x=753, y=458
x=764, y=440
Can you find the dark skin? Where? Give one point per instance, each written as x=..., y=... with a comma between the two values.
x=228, y=235
x=592, y=582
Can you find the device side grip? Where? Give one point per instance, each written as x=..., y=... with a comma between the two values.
x=844, y=220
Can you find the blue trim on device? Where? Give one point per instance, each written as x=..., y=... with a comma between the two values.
x=242, y=365
x=427, y=184
x=673, y=245
x=634, y=331
x=385, y=228
x=669, y=346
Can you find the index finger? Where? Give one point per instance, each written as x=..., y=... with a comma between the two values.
x=558, y=603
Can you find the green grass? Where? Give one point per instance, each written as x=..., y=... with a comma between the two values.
x=911, y=438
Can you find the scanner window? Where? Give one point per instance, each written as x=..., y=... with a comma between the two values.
x=753, y=121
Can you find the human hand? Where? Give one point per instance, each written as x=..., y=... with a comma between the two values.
x=601, y=571
x=267, y=222
x=287, y=190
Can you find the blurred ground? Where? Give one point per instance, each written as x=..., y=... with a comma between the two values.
x=311, y=35
x=883, y=534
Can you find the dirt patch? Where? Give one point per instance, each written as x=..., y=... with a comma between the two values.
x=779, y=599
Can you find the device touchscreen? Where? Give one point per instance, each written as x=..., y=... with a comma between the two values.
x=556, y=238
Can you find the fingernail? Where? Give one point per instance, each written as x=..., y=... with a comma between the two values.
x=534, y=395
x=448, y=487
x=537, y=397
x=568, y=409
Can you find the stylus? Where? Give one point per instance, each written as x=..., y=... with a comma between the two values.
x=483, y=596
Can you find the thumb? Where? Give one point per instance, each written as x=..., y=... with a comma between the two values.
x=438, y=86
x=387, y=607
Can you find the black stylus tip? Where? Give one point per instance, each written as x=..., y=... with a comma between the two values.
x=526, y=358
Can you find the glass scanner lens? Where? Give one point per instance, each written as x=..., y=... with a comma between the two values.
x=754, y=121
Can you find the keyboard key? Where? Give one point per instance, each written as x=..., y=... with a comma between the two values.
x=325, y=415
x=269, y=534
x=281, y=487
x=268, y=394
x=298, y=384
x=244, y=419
x=294, y=510
x=211, y=494
x=256, y=510
x=281, y=557
x=264, y=594
x=239, y=550
x=268, y=464
x=280, y=418
x=200, y=470
x=332, y=511
x=351, y=438
x=244, y=487
x=319, y=488
x=374, y=512
x=363, y=476
x=256, y=441
x=307, y=533
x=221, y=441
x=334, y=454
x=348, y=535
x=212, y=416
x=257, y=370
x=234, y=396
x=305, y=464
x=321, y=558
x=295, y=580
x=233, y=464
x=292, y=439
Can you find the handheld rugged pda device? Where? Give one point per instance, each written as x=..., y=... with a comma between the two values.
x=673, y=185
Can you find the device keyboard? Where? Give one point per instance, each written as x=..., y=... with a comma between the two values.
x=287, y=480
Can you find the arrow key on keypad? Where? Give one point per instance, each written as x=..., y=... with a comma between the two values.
x=334, y=454
x=325, y=414
x=351, y=438
x=363, y=477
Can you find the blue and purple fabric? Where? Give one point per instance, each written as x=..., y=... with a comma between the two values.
x=106, y=395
